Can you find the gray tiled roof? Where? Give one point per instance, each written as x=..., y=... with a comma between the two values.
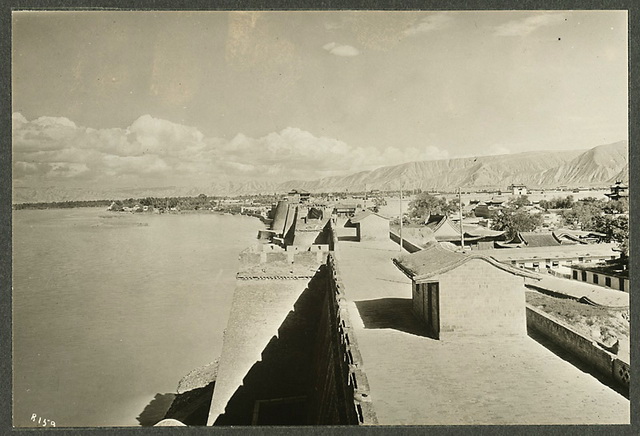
x=434, y=260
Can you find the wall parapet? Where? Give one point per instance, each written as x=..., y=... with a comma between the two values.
x=583, y=348
x=408, y=245
x=351, y=370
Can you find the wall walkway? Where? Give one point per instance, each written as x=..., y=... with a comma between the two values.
x=415, y=380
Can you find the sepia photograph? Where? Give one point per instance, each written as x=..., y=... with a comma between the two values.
x=319, y=218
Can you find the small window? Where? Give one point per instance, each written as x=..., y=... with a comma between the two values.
x=536, y=264
x=581, y=259
x=575, y=275
x=513, y=262
x=584, y=276
x=607, y=281
x=555, y=264
x=595, y=279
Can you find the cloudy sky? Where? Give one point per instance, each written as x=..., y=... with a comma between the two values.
x=141, y=99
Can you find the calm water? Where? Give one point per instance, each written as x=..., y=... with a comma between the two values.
x=111, y=309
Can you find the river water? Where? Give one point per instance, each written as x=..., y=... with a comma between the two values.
x=112, y=309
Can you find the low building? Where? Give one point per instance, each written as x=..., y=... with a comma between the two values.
x=613, y=274
x=455, y=293
x=531, y=239
x=518, y=189
x=370, y=226
x=346, y=209
x=537, y=258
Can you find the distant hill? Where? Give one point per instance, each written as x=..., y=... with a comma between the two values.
x=598, y=166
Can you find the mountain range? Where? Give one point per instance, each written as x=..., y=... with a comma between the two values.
x=599, y=166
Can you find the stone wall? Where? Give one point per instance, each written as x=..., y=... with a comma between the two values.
x=585, y=349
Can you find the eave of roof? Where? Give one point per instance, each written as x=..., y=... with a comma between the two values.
x=359, y=217
x=444, y=260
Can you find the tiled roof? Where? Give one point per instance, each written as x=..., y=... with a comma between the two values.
x=434, y=260
x=483, y=231
x=533, y=239
x=434, y=222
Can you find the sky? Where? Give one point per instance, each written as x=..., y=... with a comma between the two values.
x=148, y=99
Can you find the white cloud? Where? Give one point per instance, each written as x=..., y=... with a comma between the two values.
x=18, y=119
x=341, y=50
x=430, y=23
x=528, y=25
x=155, y=152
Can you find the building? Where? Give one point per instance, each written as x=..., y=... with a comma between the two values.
x=618, y=191
x=298, y=196
x=553, y=257
x=568, y=236
x=532, y=239
x=612, y=274
x=370, y=226
x=455, y=293
x=518, y=189
x=346, y=209
x=446, y=230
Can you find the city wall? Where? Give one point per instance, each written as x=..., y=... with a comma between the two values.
x=310, y=371
x=585, y=349
x=349, y=361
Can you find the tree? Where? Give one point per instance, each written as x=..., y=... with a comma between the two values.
x=519, y=201
x=582, y=214
x=426, y=204
x=615, y=229
x=557, y=203
x=513, y=220
x=616, y=206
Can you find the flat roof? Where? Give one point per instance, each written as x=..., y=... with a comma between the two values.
x=556, y=252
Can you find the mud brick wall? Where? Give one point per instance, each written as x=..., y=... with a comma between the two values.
x=580, y=346
x=478, y=298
